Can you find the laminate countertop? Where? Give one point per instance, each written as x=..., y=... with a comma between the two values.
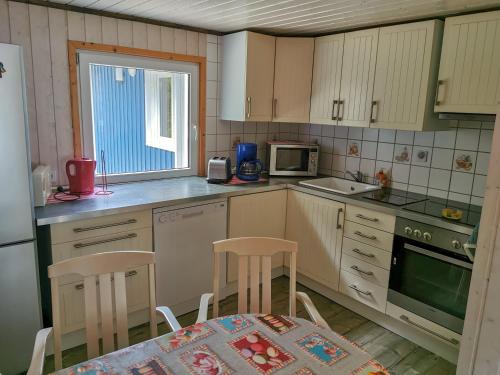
x=134, y=196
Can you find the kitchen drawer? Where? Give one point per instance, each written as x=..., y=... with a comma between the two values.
x=368, y=293
x=104, y=225
x=422, y=324
x=73, y=304
x=367, y=253
x=370, y=218
x=365, y=270
x=368, y=235
x=139, y=239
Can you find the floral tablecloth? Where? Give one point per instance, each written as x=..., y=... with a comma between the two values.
x=239, y=344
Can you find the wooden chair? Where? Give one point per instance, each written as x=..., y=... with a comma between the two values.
x=105, y=269
x=256, y=250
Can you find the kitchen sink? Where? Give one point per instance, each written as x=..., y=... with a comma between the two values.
x=339, y=185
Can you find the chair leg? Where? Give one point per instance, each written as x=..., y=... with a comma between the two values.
x=312, y=310
x=38, y=358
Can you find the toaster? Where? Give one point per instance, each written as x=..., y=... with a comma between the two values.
x=219, y=170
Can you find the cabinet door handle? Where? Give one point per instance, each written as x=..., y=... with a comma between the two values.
x=436, y=97
x=99, y=242
x=275, y=107
x=365, y=292
x=334, y=116
x=357, y=251
x=372, y=219
x=127, y=274
x=339, y=225
x=368, y=236
x=409, y=321
x=341, y=104
x=356, y=268
x=249, y=106
x=96, y=227
x=374, y=112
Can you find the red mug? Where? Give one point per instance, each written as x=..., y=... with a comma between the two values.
x=81, y=175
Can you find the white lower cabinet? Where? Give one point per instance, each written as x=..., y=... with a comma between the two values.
x=256, y=215
x=363, y=291
x=365, y=270
x=316, y=224
x=130, y=231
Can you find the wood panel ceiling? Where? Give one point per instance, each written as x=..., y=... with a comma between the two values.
x=283, y=16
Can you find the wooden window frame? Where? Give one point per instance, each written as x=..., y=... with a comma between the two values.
x=75, y=46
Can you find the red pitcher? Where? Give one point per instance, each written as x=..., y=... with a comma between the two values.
x=81, y=175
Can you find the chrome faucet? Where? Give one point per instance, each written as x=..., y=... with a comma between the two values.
x=358, y=177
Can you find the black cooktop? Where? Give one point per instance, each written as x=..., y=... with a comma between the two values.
x=432, y=206
x=395, y=197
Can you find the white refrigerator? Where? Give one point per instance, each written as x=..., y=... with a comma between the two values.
x=20, y=312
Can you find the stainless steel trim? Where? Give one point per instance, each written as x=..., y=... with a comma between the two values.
x=365, y=292
x=339, y=226
x=369, y=255
x=436, y=97
x=333, y=109
x=372, y=119
x=98, y=242
x=361, y=216
x=368, y=236
x=249, y=107
x=467, y=117
x=356, y=268
x=409, y=321
x=86, y=229
x=439, y=256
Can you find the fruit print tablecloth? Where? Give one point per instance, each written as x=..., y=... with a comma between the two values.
x=239, y=344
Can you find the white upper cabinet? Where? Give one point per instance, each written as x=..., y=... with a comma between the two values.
x=469, y=74
x=292, y=79
x=327, y=70
x=406, y=76
x=356, y=87
x=247, y=77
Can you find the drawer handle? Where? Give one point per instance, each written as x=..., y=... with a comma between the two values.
x=369, y=255
x=372, y=219
x=86, y=244
x=436, y=97
x=373, y=114
x=249, y=106
x=334, y=117
x=86, y=229
x=365, y=292
x=339, y=225
x=368, y=236
x=127, y=274
x=356, y=268
x=410, y=322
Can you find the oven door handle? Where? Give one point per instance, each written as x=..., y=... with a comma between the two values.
x=438, y=256
x=406, y=319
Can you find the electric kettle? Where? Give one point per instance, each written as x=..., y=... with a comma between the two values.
x=81, y=175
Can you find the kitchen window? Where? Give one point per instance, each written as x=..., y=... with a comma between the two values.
x=141, y=114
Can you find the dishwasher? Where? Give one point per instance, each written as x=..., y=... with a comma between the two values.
x=183, y=237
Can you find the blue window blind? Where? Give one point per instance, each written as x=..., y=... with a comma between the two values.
x=118, y=116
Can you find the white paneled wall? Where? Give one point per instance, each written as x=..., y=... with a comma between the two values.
x=43, y=32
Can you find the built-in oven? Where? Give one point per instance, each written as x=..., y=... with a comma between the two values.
x=285, y=158
x=430, y=273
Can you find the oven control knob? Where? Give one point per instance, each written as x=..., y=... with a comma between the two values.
x=408, y=231
x=417, y=233
x=456, y=244
x=427, y=236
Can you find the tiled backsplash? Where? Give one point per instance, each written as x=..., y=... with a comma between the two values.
x=448, y=164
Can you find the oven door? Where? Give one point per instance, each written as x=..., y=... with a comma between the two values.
x=430, y=282
x=292, y=160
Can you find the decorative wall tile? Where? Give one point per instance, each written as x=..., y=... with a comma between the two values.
x=421, y=156
x=353, y=148
x=402, y=153
x=464, y=161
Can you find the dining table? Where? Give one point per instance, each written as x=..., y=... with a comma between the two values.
x=239, y=344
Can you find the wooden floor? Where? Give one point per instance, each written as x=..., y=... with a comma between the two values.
x=397, y=354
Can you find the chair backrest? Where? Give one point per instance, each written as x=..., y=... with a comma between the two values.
x=104, y=270
x=256, y=251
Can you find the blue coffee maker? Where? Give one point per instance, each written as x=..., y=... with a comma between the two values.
x=248, y=167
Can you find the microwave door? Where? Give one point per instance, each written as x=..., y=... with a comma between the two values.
x=292, y=159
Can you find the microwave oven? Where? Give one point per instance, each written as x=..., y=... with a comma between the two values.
x=286, y=158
